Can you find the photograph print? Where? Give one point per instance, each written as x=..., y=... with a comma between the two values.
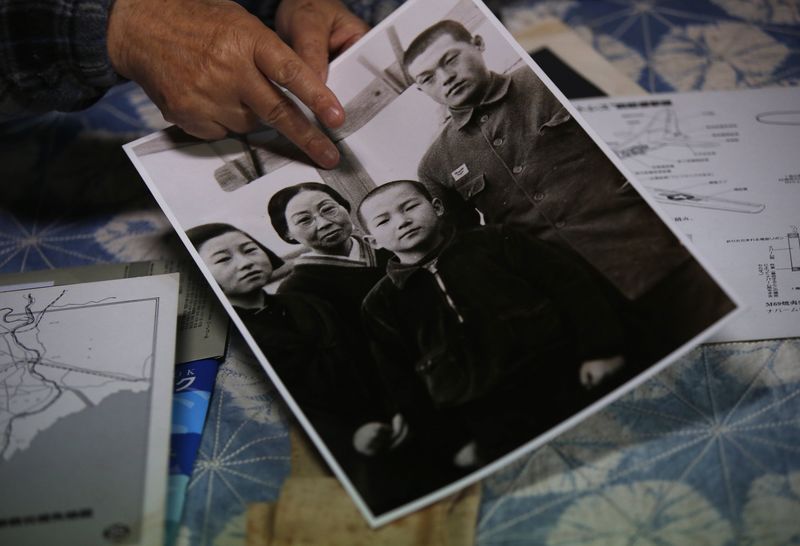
x=474, y=278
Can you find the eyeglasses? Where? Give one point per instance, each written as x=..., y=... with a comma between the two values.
x=329, y=211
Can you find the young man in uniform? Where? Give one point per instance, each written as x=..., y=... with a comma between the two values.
x=511, y=151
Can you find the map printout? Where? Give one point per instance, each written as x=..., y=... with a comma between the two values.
x=85, y=383
x=724, y=166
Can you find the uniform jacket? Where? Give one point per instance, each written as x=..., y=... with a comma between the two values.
x=522, y=161
x=489, y=306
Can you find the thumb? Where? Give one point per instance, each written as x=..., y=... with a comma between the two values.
x=347, y=30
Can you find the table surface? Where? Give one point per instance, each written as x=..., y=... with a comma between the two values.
x=706, y=452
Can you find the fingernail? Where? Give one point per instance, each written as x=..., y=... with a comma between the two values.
x=333, y=116
x=330, y=157
x=324, y=153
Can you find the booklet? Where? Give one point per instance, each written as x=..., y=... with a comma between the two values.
x=201, y=336
x=479, y=274
x=85, y=392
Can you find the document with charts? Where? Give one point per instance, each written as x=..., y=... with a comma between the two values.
x=85, y=395
x=475, y=276
x=725, y=167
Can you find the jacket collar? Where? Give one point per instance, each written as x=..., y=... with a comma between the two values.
x=399, y=273
x=361, y=255
x=498, y=89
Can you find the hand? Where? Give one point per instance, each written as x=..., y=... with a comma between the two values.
x=594, y=372
x=318, y=30
x=399, y=430
x=376, y=437
x=467, y=456
x=372, y=438
x=209, y=66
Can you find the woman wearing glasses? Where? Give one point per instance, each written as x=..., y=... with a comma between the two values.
x=338, y=265
x=338, y=269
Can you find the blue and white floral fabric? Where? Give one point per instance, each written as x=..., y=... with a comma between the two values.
x=708, y=452
x=681, y=45
x=704, y=453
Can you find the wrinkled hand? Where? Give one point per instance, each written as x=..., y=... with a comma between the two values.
x=594, y=372
x=209, y=66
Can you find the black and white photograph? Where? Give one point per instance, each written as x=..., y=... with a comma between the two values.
x=477, y=275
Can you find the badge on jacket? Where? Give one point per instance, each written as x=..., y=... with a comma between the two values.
x=460, y=172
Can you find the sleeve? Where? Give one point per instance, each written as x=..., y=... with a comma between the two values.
x=53, y=55
x=591, y=305
x=548, y=110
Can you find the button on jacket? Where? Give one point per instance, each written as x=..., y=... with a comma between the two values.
x=522, y=161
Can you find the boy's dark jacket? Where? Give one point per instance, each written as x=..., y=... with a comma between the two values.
x=518, y=305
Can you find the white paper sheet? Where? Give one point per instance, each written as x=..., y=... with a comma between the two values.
x=725, y=167
x=85, y=400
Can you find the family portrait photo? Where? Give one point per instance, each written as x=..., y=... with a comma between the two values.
x=476, y=275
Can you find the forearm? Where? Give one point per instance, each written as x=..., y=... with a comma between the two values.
x=53, y=55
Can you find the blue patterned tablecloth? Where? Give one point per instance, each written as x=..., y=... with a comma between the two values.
x=683, y=45
x=708, y=452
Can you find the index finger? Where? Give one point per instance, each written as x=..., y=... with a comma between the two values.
x=280, y=112
x=279, y=63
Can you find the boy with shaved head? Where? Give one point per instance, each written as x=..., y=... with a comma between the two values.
x=491, y=328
